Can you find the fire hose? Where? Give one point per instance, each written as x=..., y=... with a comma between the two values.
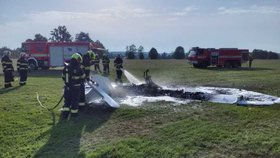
x=49, y=109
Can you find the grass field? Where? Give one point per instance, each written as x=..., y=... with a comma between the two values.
x=198, y=129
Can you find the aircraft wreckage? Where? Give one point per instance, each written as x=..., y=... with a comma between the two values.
x=100, y=90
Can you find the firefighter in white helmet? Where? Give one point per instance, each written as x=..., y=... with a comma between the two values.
x=8, y=69
x=22, y=68
x=73, y=77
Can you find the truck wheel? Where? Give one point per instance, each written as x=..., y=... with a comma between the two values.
x=204, y=65
x=227, y=64
x=195, y=65
x=236, y=64
x=32, y=65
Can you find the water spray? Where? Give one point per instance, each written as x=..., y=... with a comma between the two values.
x=132, y=79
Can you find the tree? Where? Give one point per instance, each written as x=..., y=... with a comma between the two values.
x=100, y=45
x=130, y=55
x=164, y=55
x=29, y=40
x=14, y=53
x=179, y=53
x=60, y=34
x=130, y=51
x=83, y=37
x=140, y=52
x=39, y=37
x=263, y=54
x=153, y=54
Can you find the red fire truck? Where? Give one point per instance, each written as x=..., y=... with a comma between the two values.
x=53, y=54
x=223, y=57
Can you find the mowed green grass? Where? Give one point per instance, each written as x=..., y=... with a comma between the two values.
x=197, y=129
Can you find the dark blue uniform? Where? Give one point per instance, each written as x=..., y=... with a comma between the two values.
x=96, y=64
x=105, y=62
x=118, y=64
x=86, y=68
x=22, y=67
x=86, y=65
x=73, y=77
x=8, y=70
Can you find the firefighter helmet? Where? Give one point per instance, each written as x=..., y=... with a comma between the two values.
x=78, y=57
x=22, y=54
x=7, y=52
x=91, y=54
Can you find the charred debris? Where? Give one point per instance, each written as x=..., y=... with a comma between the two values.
x=149, y=88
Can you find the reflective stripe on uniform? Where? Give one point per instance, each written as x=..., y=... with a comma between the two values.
x=7, y=83
x=82, y=104
x=83, y=76
x=67, y=78
x=76, y=77
x=6, y=62
x=22, y=64
x=65, y=109
x=87, y=68
x=74, y=111
x=76, y=85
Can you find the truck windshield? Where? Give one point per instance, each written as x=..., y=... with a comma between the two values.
x=192, y=53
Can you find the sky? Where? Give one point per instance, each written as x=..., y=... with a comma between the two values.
x=162, y=24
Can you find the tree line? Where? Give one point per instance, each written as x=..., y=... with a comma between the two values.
x=263, y=54
x=61, y=34
x=132, y=52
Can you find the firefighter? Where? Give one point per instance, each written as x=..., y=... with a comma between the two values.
x=22, y=68
x=88, y=59
x=250, y=61
x=8, y=69
x=96, y=64
x=118, y=64
x=87, y=62
x=73, y=77
x=106, y=62
x=85, y=66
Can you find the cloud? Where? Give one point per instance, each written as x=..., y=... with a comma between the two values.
x=252, y=10
x=123, y=13
x=164, y=29
x=185, y=11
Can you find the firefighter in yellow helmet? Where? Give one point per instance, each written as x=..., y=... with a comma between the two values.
x=88, y=58
x=73, y=77
x=96, y=62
